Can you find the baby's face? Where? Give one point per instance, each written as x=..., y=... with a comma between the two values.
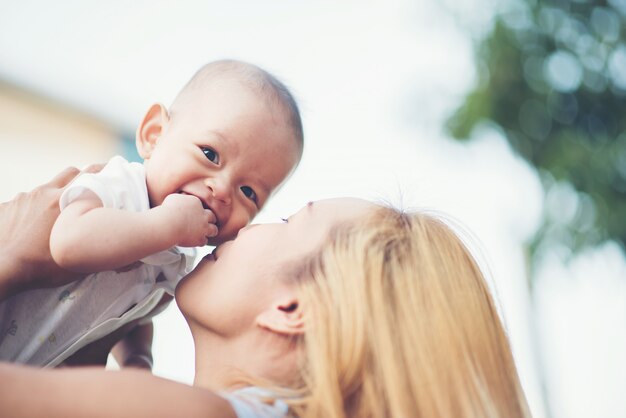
x=228, y=148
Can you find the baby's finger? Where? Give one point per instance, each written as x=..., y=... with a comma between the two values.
x=212, y=231
x=211, y=218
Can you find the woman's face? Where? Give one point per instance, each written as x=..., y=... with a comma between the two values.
x=228, y=289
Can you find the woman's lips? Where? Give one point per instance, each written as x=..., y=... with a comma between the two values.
x=212, y=255
x=209, y=256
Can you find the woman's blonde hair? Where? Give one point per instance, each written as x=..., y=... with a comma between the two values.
x=400, y=323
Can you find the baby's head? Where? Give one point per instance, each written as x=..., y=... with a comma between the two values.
x=231, y=137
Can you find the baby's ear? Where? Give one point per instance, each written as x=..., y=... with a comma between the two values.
x=284, y=317
x=150, y=129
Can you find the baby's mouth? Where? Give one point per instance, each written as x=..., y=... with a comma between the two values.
x=205, y=205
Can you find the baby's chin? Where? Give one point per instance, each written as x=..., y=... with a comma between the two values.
x=220, y=238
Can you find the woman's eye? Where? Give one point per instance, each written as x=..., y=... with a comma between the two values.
x=211, y=155
x=249, y=193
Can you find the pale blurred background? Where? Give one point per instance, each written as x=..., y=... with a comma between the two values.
x=378, y=83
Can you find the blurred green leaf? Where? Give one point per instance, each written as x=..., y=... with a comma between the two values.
x=552, y=75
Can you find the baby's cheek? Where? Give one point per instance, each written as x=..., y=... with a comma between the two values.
x=238, y=222
x=218, y=240
x=231, y=227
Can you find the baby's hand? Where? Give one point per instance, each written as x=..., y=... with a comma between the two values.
x=192, y=222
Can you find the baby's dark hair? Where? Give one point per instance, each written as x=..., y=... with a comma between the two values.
x=264, y=83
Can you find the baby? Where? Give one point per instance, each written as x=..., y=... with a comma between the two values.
x=211, y=162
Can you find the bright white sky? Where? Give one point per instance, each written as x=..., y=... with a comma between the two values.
x=375, y=81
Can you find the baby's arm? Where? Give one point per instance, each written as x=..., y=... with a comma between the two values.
x=88, y=237
x=135, y=349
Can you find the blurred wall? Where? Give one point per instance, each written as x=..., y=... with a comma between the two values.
x=39, y=137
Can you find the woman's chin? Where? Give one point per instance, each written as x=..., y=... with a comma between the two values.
x=186, y=287
x=184, y=283
x=200, y=268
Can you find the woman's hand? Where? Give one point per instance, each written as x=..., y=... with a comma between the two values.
x=25, y=224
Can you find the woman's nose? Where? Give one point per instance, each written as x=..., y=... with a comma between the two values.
x=245, y=229
x=248, y=227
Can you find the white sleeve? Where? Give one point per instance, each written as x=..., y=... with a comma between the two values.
x=249, y=403
x=120, y=185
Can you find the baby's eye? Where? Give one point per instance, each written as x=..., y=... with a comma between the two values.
x=249, y=193
x=211, y=155
x=285, y=220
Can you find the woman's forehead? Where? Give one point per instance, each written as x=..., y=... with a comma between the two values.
x=336, y=209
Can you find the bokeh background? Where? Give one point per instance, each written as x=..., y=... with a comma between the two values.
x=508, y=115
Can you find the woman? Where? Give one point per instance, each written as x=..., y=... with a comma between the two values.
x=347, y=309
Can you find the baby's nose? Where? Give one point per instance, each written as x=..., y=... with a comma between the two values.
x=220, y=191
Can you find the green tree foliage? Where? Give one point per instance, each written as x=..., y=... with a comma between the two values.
x=552, y=76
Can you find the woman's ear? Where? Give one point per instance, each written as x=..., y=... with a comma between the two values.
x=150, y=129
x=284, y=317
